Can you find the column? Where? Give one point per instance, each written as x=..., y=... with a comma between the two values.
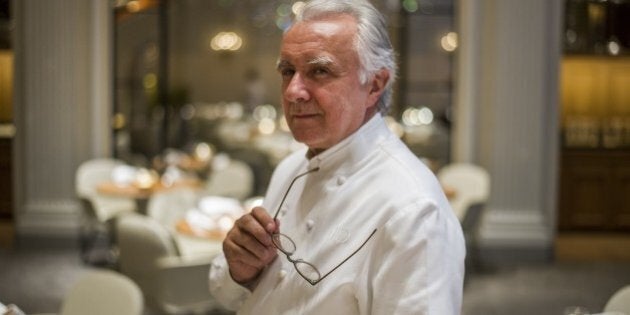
x=508, y=102
x=61, y=96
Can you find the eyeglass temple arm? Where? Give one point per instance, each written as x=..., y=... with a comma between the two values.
x=275, y=216
x=341, y=263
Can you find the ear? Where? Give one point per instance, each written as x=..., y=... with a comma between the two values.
x=377, y=86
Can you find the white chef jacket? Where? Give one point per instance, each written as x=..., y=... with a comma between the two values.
x=413, y=264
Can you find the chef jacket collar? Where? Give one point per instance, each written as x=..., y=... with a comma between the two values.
x=354, y=148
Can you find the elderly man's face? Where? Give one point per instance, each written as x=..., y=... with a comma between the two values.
x=322, y=98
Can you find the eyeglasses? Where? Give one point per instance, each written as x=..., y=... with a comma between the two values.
x=286, y=245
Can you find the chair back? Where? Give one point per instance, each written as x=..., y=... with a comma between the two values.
x=141, y=242
x=619, y=301
x=171, y=283
x=471, y=184
x=232, y=179
x=103, y=292
x=93, y=172
x=88, y=176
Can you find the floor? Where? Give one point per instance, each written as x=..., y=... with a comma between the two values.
x=35, y=277
x=543, y=289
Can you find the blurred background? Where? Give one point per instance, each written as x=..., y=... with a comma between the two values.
x=160, y=108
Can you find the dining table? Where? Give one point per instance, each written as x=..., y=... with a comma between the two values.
x=203, y=227
x=185, y=227
x=142, y=193
x=193, y=241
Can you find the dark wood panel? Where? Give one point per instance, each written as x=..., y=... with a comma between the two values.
x=621, y=216
x=588, y=198
x=6, y=179
x=594, y=190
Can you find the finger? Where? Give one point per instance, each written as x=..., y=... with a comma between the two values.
x=237, y=253
x=250, y=224
x=241, y=268
x=277, y=230
x=249, y=243
x=265, y=219
x=237, y=256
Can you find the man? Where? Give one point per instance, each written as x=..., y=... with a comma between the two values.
x=355, y=224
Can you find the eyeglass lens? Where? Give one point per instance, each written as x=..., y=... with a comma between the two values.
x=304, y=268
x=283, y=243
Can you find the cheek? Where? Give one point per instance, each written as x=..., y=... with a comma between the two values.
x=344, y=104
x=342, y=118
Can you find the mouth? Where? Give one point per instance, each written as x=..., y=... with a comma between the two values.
x=304, y=115
x=303, y=111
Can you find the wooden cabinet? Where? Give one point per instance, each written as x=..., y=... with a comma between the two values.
x=6, y=85
x=594, y=190
x=6, y=178
x=595, y=158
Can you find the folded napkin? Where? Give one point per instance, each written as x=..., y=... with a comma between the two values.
x=214, y=213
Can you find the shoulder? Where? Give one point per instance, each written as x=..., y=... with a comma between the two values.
x=402, y=173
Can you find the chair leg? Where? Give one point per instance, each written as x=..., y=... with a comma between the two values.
x=96, y=247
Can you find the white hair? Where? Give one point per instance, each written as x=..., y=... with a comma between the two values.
x=372, y=42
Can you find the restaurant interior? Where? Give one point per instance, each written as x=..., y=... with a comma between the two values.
x=134, y=132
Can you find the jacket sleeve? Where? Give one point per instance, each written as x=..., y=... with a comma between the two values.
x=417, y=265
x=225, y=290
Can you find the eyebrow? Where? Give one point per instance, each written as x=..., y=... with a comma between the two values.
x=281, y=64
x=317, y=61
x=321, y=61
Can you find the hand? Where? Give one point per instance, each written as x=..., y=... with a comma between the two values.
x=248, y=248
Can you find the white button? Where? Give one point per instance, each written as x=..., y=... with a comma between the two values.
x=281, y=275
x=283, y=210
x=310, y=224
x=341, y=180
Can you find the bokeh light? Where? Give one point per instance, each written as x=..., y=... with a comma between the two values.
x=226, y=41
x=449, y=41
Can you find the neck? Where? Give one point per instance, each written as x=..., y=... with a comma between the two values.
x=313, y=152
x=369, y=113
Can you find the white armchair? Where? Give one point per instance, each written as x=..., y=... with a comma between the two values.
x=171, y=283
x=471, y=189
x=98, y=210
x=102, y=292
x=619, y=302
x=470, y=183
x=230, y=178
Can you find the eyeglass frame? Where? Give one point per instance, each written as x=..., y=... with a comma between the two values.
x=276, y=243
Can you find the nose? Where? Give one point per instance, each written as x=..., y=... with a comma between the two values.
x=296, y=90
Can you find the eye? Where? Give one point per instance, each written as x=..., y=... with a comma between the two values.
x=319, y=71
x=287, y=72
